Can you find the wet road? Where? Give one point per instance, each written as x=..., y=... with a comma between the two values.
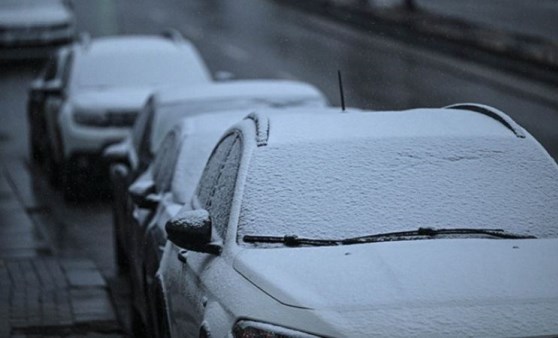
x=260, y=38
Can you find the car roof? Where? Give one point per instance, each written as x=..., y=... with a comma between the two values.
x=438, y=123
x=239, y=89
x=122, y=45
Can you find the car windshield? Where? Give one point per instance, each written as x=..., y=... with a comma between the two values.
x=129, y=69
x=348, y=189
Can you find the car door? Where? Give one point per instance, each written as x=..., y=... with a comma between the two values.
x=57, y=89
x=122, y=174
x=36, y=104
x=146, y=196
x=215, y=194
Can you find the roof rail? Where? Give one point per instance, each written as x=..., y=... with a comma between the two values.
x=262, y=128
x=172, y=34
x=84, y=39
x=491, y=112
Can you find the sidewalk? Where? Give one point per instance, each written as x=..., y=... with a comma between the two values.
x=519, y=33
x=41, y=295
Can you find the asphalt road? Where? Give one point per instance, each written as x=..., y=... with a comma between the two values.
x=263, y=39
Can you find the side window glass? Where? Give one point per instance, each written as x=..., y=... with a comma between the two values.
x=164, y=162
x=212, y=169
x=66, y=70
x=50, y=70
x=145, y=154
x=139, y=134
x=223, y=175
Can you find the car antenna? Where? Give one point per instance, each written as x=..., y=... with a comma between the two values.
x=341, y=90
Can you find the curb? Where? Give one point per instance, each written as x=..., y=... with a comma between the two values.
x=533, y=56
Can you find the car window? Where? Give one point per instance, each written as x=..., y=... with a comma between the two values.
x=164, y=162
x=66, y=70
x=141, y=135
x=50, y=69
x=218, y=181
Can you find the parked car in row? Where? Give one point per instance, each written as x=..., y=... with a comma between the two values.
x=94, y=99
x=427, y=222
x=164, y=109
x=34, y=28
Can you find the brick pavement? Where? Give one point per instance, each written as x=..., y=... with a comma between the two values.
x=40, y=294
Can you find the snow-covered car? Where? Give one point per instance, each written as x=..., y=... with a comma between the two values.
x=105, y=83
x=161, y=191
x=427, y=222
x=163, y=110
x=33, y=28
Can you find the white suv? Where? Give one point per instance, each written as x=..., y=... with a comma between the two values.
x=428, y=222
x=105, y=83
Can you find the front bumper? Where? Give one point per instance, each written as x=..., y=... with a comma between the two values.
x=33, y=42
x=80, y=139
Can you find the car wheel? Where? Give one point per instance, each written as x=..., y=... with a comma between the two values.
x=138, y=329
x=35, y=154
x=71, y=189
x=120, y=257
x=52, y=168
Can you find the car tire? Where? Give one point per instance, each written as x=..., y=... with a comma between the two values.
x=70, y=183
x=52, y=168
x=121, y=260
x=35, y=154
x=137, y=326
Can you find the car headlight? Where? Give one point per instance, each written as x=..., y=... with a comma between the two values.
x=91, y=118
x=250, y=329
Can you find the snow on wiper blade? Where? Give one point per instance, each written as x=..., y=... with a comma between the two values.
x=431, y=232
x=289, y=240
x=420, y=233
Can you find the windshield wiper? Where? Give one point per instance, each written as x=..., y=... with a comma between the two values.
x=420, y=233
x=431, y=232
x=290, y=240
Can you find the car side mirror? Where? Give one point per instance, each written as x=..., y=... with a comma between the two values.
x=53, y=87
x=142, y=193
x=116, y=153
x=192, y=230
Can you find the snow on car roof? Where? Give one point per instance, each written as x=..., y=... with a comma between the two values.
x=386, y=124
x=264, y=89
x=135, y=43
x=346, y=175
x=200, y=134
x=173, y=104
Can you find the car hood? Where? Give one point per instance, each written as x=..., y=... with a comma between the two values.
x=29, y=16
x=115, y=98
x=471, y=285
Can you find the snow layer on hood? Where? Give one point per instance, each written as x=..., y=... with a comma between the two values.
x=28, y=13
x=397, y=172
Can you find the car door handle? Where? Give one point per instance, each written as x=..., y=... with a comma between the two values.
x=182, y=255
